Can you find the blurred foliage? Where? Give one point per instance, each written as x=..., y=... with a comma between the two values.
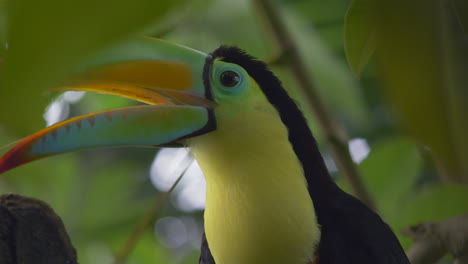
x=460, y=8
x=416, y=77
x=331, y=75
x=419, y=59
x=54, y=35
x=398, y=162
x=360, y=34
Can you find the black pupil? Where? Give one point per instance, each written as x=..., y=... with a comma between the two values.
x=229, y=78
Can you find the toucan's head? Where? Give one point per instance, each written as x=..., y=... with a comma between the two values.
x=186, y=93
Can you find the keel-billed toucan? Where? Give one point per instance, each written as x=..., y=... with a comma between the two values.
x=269, y=198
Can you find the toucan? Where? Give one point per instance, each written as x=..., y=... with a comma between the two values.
x=269, y=196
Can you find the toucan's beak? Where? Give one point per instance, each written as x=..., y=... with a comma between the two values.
x=167, y=77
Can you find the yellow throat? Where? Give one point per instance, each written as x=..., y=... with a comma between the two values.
x=258, y=209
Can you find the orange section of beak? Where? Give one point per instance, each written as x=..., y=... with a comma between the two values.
x=156, y=82
x=144, y=73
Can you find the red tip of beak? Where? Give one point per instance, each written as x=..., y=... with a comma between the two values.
x=14, y=158
x=9, y=162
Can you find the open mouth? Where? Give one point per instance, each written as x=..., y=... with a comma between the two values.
x=166, y=77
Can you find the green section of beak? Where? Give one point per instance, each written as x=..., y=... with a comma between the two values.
x=140, y=126
x=166, y=76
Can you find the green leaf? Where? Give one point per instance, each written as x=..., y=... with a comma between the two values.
x=390, y=172
x=424, y=79
x=461, y=11
x=46, y=38
x=433, y=203
x=360, y=34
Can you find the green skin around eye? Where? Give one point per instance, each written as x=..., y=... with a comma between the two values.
x=223, y=92
x=233, y=102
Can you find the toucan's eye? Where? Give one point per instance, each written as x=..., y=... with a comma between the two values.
x=229, y=78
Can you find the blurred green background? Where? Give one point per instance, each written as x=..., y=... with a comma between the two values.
x=392, y=74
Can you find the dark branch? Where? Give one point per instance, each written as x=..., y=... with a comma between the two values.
x=433, y=240
x=31, y=233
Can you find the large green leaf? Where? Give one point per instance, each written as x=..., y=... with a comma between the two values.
x=390, y=172
x=47, y=37
x=360, y=33
x=422, y=64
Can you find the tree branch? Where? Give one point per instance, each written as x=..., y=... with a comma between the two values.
x=31, y=232
x=433, y=240
x=336, y=138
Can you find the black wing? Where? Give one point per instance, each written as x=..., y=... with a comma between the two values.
x=205, y=254
x=354, y=234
